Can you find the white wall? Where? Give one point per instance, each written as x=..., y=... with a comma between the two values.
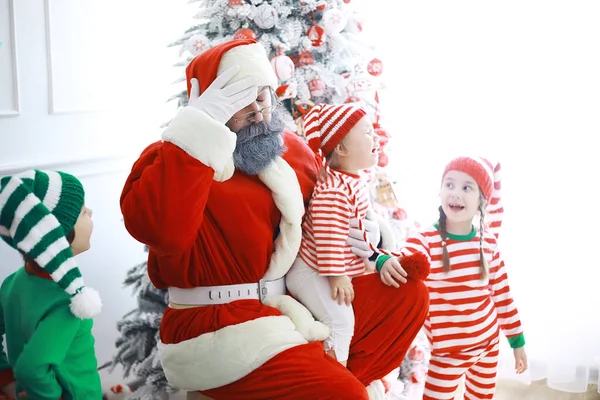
x=83, y=86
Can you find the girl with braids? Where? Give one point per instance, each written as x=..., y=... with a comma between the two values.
x=470, y=299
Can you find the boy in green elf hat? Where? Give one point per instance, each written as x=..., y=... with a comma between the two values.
x=45, y=308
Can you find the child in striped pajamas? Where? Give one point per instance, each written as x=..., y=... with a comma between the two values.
x=321, y=277
x=470, y=299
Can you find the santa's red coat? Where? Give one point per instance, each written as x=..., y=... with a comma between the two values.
x=202, y=232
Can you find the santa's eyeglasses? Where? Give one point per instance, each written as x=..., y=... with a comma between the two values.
x=275, y=104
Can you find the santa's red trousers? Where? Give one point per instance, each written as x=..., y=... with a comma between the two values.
x=387, y=321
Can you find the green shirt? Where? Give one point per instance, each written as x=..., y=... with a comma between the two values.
x=50, y=350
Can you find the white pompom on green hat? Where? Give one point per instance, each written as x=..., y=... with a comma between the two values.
x=38, y=209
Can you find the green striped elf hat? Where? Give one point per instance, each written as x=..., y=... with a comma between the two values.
x=38, y=209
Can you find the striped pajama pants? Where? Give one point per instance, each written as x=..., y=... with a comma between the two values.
x=446, y=370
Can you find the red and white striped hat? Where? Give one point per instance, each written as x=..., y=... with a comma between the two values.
x=486, y=174
x=326, y=125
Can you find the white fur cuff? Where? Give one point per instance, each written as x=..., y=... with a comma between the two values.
x=205, y=139
x=219, y=358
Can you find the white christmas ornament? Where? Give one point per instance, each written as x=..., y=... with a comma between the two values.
x=266, y=16
x=334, y=21
x=283, y=67
x=197, y=44
x=256, y=2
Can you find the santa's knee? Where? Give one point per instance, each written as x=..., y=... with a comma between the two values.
x=347, y=387
x=416, y=291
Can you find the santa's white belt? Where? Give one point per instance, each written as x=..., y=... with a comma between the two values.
x=211, y=295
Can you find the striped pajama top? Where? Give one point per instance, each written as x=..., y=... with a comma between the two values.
x=465, y=311
x=326, y=226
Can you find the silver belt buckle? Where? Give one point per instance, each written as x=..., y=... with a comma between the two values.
x=263, y=290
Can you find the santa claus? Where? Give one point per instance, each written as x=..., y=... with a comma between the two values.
x=219, y=201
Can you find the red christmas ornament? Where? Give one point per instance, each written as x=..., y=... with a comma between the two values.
x=416, y=354
x=316, y=34
x=321, y=5
x=400, y=215
x=245, y=33
x=306, y=58
x=383, y=160
x=383, y=141
x=233, y=3
x=384, y=137
x=347, y=1
x=375, y=67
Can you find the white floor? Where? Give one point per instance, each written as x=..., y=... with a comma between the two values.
x=510, y=390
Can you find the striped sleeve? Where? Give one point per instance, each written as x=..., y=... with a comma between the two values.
x=508, y=316
x=416, y=242
x=331, y=212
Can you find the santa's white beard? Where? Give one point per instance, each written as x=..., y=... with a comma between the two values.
x=258, y=144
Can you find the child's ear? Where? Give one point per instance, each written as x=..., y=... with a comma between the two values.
x=340, y=149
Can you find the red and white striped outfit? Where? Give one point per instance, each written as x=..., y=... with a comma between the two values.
x=465, y=313
x=327, y=223
x=324, y=252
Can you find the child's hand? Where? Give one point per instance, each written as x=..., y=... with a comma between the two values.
x=341, y=289
x=520, y=360
x=391, y=273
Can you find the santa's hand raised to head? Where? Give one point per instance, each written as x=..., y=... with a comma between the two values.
x=220, y=102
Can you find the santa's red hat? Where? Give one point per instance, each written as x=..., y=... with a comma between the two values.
x=327, y=125
x=249, y=55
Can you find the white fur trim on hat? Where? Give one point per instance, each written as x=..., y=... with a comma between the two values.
x=208, y=141
x=219, y=358
x=253, y=61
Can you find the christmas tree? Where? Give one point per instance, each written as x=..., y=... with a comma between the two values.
x=318, y=54
x=315, y=47
x=137, y=346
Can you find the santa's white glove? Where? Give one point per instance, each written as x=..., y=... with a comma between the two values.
x=221, y=102
x=356, y=239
